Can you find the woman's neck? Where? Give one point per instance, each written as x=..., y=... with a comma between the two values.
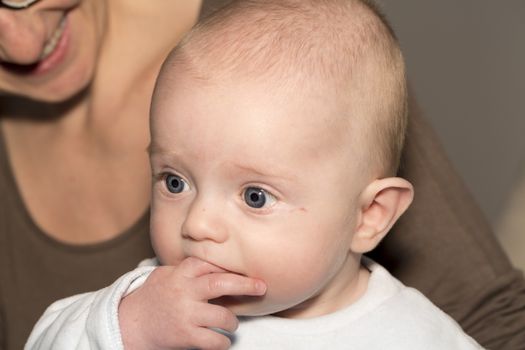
x=89, y=153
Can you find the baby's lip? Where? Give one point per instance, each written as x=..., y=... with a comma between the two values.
x=230, y=271
x=220, y=266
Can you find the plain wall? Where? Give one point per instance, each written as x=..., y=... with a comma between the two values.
x=466, y=63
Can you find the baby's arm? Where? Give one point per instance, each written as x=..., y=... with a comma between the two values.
x=86, y=321
x=169, y=310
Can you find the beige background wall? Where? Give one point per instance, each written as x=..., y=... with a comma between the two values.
x=466, y=62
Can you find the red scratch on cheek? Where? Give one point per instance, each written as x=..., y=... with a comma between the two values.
x=301, y=209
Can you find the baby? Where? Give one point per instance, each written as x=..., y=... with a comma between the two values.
x=276, y=133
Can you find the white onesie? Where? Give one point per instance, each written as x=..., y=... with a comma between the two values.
x=388, y=316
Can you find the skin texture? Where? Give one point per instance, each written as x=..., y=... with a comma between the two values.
x=87, y=169
x=316, y=225
x=211, y=218
x=66, y=124
x=28, y=32
x=213, y=141
x=171, y=311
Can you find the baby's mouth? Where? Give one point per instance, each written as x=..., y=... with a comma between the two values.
x=226, y=270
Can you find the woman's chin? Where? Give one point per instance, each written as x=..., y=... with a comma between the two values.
x=65, y=88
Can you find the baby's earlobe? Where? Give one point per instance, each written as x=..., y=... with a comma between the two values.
x=385, y=200
x=365, y=239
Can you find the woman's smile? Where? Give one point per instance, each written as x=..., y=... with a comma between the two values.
x=52, y=55
x=55, y=50
x=53, y=41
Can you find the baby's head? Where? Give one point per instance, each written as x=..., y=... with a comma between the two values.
x=276, y=129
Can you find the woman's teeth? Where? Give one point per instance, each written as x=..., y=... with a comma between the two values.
x=53, y=41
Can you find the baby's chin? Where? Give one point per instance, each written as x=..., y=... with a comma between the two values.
x=248, y=305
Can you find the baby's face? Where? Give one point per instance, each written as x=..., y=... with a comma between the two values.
x=259, y=183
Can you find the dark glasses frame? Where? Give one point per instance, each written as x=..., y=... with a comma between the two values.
x=17, y=5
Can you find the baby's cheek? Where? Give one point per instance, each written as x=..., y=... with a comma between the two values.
x=292, y=282
x=165, y=232
x=167, y=246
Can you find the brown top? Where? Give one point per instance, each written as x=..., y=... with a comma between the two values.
x=36, y=270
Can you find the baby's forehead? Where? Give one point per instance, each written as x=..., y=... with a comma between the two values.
x=303, y=99
x=335, y=53
x=297, y=101
x=293, y=106
x=323, y=40
x=328, y=50
x=250, y=123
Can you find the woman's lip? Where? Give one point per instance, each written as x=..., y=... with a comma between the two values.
x=52, y=42
x=50, y=62
x=56, y=57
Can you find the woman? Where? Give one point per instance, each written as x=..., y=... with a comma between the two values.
x=76, y=78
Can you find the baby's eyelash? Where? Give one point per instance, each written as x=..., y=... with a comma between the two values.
x=258, y=198
x=158, y=176
x=162, y=174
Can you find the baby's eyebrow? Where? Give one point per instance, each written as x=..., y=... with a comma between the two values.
x=153, y=148
x=157, y=154
x=279, y=175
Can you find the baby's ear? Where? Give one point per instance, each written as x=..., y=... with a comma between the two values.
x=382, y=203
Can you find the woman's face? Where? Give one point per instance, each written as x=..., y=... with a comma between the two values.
x=48, y=52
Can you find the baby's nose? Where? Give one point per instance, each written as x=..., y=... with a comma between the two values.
x=205, y=222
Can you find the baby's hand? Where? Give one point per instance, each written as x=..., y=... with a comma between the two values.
x=171, y=309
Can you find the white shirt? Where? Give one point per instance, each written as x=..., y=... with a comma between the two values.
x=388, y=316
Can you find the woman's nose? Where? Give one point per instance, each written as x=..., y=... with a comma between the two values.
x=205, y=222
x=22, y=36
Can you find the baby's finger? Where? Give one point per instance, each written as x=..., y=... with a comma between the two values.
x=215, y=285
x=193, y=267
x=208, y=339
x=214, y=316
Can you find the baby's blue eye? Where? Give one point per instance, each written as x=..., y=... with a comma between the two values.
x=257, y=197
x=175, y=183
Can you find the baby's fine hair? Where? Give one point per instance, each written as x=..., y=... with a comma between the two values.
x=341, y=47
